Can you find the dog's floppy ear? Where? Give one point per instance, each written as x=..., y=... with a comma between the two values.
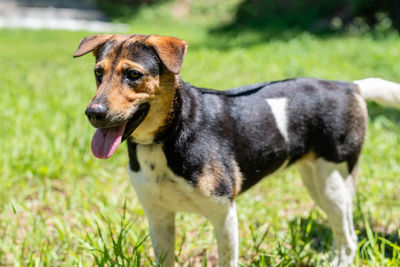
x=90, y=43
x=171, y=51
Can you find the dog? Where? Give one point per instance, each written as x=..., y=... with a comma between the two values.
x=196, y=150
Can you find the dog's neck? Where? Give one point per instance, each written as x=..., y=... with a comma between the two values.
x=164, y=110
x=172, y=125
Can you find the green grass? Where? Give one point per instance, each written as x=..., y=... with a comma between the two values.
x=59, y=206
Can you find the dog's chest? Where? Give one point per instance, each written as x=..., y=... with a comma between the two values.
x=158, y=187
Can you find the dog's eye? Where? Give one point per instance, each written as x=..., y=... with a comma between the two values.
x=98, y=72
x=133, y=75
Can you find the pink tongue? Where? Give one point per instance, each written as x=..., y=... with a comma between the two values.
x=106, y=141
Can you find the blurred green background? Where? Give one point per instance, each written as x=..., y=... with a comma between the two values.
x=59, y=206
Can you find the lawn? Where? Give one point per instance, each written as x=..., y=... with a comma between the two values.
x=59, y=206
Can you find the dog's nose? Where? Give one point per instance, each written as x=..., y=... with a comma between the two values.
x=96, y=112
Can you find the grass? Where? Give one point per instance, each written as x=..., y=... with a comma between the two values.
x=59, y=206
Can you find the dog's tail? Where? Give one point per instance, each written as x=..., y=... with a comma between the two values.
x=384, y=92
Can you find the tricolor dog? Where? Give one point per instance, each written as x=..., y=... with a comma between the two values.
x=196, y=150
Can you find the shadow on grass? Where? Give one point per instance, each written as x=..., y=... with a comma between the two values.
x=271, y=19
x=260, y=21
x=122, y=10
x=376, y=111
x=312, y=234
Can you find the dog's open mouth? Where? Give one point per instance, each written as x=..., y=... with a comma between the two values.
x=106, y=140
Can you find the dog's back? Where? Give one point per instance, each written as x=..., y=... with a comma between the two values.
x=263, y=128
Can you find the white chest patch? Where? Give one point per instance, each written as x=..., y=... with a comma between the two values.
x=278, y=108
x=158, y=187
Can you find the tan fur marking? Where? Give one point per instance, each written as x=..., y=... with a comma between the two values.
x=359, y=118
x=105, y=64
x=356, y=89
x=309, y=157
x=362, y=109
x=207, y=184
x=123, y=37
x=91, y=43
x=237, y=179
x=160, y=107
x=171, y=51
x=213, y=174
x=122, y=99
x=210, y=178
x=128, y=64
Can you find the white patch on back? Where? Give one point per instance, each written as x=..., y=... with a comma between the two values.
x=278, y=108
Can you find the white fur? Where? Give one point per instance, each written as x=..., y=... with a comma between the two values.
x=384, y=92
x=331, y=187
x=226, y=231
x=278, y=108
x=162, y=194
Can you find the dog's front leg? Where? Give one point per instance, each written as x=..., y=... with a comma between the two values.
x=226, y=230
x=161, y=221
x=162, y=233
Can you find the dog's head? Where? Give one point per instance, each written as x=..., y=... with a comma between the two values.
x=136, y=76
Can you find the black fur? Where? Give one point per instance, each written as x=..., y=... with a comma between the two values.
x=238, y=126
x=138, y=52
x=145, y=56
x=133, y=161
x=104, y=50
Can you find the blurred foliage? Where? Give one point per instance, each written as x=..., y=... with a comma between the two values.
x=203, y=12
x=123, y=10
x=312, y=15
x=318, y=16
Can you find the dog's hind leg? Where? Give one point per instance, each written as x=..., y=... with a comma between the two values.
x=226, y=231
x=332, y=187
